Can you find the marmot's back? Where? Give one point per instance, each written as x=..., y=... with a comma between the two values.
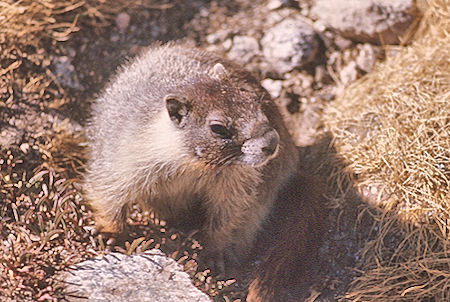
x=163, y=69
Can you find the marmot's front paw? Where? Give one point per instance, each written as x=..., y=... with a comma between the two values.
x=106, y=226
x=215, y=262
x=222, y=262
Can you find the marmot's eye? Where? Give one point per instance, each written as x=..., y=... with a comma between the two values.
x=221, y=130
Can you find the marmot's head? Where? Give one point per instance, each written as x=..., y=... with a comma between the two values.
x=224, y=119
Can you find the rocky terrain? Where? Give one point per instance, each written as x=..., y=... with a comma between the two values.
x=305, y=52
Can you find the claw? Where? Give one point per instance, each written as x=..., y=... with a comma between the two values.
x=223, y=263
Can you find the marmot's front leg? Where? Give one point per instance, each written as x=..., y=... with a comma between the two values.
x=109, y=209
x=231, y=229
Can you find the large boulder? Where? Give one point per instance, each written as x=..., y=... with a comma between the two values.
x=374, y=21
x=149, y=276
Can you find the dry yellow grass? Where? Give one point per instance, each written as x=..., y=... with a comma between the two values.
x=392, y=128
x=30, y=30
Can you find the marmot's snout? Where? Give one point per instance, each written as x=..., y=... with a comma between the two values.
x=271, y=138
x=258, y=150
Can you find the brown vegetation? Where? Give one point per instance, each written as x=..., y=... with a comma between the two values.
x=392, y=128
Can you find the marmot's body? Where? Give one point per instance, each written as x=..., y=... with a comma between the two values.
x=180, y=127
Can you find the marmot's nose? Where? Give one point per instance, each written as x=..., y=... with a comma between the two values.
x=271, y=139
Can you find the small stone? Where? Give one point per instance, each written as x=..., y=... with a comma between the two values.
x=65, y=72
x=114, y=38
x=149, y=276
x=274, y=4
x=306, y=80
x=320, y=25
x=204, y=12
x=349, y=73
x=123, y=21
x=273, y=87
x=25, y=147
x=366, y=57
x=290, y=44
x=244, y=49
x=277, y=4
x=218, y=36
x=227, y=44
x=342, y=43
x=373, y=190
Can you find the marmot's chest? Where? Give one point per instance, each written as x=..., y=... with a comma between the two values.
x=191, y=186
x=176, y=191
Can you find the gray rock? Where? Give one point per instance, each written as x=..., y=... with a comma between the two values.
x=122, y=21
x=375, y=21
x=243, y=49
x=149, y=276
x=273, y=87
x=348, y=73
x=290, y=44
x=218, y=36
x=366, y=57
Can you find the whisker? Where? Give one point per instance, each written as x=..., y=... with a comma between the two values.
x=228, y=155
x=226, y=159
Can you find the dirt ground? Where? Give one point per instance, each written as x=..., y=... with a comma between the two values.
x=44, y=221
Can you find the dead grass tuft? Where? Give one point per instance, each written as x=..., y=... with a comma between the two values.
x=66, y=152
x=403, y=264
x=43, y=226
x=31, y=30
x=393, y=129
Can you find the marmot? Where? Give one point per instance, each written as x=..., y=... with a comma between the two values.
x=179, y=127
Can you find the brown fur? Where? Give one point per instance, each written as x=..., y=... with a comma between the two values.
x=293, y=234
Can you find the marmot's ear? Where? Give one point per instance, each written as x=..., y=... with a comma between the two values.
x=177, y=107
x=218, y=71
